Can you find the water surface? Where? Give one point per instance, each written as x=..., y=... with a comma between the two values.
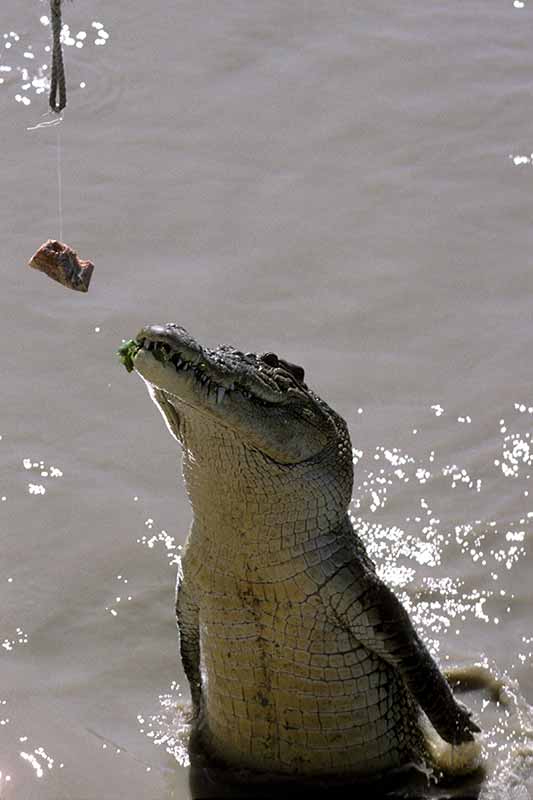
x=347, y=184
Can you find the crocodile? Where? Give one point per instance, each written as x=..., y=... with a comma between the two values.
x=301, y=661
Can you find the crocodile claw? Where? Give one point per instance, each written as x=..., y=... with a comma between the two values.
x=464, y=726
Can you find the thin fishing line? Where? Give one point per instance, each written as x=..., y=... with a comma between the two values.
x=59, y=164
x=59, y=170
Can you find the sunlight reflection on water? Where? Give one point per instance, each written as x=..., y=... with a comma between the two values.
x=24, y=66
x=270, y=86
x=406, y=548
x=170, y=726
x=439, y=605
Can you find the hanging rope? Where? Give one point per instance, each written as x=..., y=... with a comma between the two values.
x=57, y=79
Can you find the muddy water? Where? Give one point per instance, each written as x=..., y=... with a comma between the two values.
x=347, y=184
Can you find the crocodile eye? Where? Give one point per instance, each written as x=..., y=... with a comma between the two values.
x=296, y=371
x=270, y=359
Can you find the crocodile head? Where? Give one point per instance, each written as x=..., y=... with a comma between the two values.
x=259, y=401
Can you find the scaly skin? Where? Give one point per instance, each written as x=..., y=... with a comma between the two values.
x=301, y=661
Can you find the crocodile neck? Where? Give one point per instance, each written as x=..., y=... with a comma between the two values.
x=242, y=500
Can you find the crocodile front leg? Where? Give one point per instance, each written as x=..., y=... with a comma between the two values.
x=187, y=614
x=365, y=606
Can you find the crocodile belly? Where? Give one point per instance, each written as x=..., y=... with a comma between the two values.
x=286, y=691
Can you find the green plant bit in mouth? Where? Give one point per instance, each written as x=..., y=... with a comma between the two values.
x=127, y=353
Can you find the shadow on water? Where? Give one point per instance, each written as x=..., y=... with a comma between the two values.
x=208, y=783
x=210, y=780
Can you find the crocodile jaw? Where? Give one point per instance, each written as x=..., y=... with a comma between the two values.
x=269, y=411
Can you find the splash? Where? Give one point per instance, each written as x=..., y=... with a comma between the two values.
x=407, y=550
x=411, y=552
x=170, y=726
x=164, y=539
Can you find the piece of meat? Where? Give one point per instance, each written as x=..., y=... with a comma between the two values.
x=61, y=263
